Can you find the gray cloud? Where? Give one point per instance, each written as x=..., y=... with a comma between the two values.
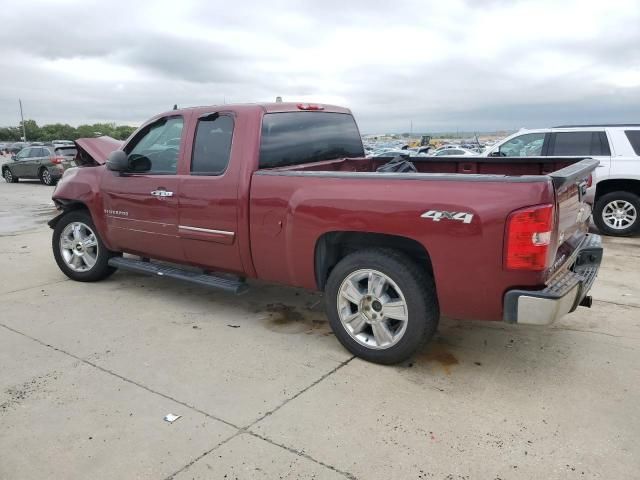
x=472, y=65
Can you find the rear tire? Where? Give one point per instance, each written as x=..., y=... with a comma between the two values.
x=618, y=214
x=8, y=176
x=78, y=249
x=381, y=305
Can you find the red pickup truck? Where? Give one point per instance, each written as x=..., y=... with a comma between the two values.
x=282, y=192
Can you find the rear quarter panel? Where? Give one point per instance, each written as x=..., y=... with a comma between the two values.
x=289, y=213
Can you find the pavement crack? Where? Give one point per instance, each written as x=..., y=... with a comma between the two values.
x=615, y=303
x=34, y=286
x=200, y=457
x=307, y=388
x=121, y=377
x=591, y=331
x=239, y=430
x=348, y=475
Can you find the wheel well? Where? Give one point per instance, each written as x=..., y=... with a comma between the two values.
x=66, y=206
x=333, y=246
x=608, y=186
x=69, y=205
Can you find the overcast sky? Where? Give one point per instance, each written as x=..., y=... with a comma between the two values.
x=445, y=65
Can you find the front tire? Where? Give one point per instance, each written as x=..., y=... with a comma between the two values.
x=78, y=249
x=618, y=214
x=9, y=176
x=381, y=305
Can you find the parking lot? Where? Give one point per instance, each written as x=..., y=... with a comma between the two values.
x=264, y=390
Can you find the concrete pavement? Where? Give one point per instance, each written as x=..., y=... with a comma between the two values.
x=88, y=371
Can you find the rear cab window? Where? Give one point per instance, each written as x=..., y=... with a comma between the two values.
x=294, y=138
x=212, y=145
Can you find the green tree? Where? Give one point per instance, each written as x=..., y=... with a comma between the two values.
x=31, y=129
x=123, y=132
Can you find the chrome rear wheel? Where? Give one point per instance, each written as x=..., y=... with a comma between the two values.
x=372, y=309
x=381, y=304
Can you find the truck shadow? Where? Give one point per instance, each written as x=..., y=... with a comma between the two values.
x=458, y=348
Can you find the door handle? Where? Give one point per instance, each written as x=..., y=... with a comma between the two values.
x=161, y=192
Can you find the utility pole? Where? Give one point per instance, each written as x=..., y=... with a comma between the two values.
x=24, y=130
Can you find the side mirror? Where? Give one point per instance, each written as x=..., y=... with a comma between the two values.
x=495, y=154
x=117, y=161
x=139, y=163
x=14, y=157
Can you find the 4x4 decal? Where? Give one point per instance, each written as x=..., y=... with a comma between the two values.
x=437, y=215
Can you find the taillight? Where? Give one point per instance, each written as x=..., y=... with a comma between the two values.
x=310, y=106
x=57, y=160
x=590, y=181
x=528, y=238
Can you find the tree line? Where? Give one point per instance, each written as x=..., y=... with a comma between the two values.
x=63, y=131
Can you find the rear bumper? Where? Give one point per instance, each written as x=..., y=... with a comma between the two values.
x=562, y=295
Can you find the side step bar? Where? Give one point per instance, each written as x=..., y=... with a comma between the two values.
x=140, y=266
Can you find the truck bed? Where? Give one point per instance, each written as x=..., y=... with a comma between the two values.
x=293, y=207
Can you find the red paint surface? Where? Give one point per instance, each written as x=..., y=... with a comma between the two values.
x=276, y=220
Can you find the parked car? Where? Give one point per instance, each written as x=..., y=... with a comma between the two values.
x=282, y=192
x=62, y=143
x=41, y=162
x=16, y=147
x=393, y=153
x=615, y=190
x=455, y=151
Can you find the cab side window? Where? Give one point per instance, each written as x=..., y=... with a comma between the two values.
x=527, y=145
x=157, y=147
x=212, y=145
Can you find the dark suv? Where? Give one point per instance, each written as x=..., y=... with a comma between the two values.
x=45, y=163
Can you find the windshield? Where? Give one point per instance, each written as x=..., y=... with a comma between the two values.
x=293, y=138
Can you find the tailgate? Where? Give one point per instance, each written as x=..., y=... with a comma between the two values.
x=573, y=213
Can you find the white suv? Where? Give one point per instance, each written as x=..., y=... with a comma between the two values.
x=615, y=193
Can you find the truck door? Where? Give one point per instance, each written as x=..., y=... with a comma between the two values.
x=141, y=205
x=209, y=195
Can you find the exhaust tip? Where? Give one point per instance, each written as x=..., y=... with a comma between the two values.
x=587, y=301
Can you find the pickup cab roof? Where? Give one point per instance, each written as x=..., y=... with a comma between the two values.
x=269, y=107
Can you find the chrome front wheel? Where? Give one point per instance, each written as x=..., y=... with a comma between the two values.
x=79, y=247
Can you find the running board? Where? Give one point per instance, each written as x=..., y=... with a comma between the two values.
x=140, y=266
